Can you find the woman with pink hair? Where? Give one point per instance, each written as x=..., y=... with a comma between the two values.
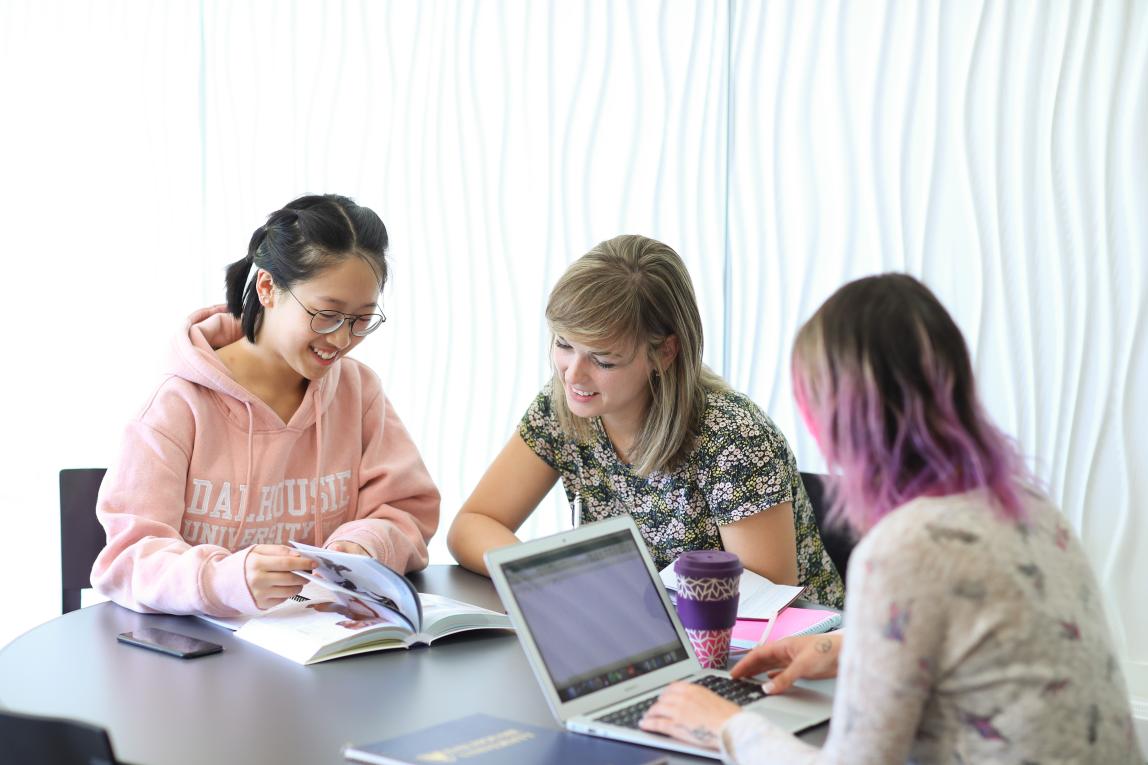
x=976, y=631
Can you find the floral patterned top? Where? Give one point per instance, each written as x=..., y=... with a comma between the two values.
x=740, y=465
x=968, y=639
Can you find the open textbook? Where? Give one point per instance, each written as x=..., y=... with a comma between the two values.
x=354, y=604
x=758, y=598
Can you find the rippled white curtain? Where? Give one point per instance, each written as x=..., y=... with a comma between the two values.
x=995, y=150
x=998, y=152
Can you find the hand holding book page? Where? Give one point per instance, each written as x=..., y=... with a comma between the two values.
x=373, y=585
x=353, y=604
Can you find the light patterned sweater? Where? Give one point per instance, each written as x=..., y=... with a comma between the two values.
x=968, y=639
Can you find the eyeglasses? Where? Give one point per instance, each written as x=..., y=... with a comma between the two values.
x=326, y=322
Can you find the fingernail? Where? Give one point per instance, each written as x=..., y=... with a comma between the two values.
x=767, y=687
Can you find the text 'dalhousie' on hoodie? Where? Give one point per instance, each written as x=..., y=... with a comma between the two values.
x=207, y=471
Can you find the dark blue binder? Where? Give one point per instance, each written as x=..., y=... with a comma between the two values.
x=486, y=740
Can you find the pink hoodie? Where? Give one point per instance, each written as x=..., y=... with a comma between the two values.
x=178, y=510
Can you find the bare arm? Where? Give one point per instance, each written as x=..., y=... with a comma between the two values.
x=766, y=542
x=509, y=491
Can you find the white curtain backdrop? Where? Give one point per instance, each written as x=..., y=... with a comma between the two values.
x=996, y=150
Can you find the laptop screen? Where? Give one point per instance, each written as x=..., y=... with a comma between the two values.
x=595, y=614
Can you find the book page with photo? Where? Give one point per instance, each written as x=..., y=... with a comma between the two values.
x=354, y=604
x=366, y=581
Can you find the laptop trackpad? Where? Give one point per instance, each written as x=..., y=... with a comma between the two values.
x=796, y=709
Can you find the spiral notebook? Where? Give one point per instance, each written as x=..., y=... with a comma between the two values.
x=791, y=621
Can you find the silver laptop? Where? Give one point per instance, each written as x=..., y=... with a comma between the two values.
x=603, y=640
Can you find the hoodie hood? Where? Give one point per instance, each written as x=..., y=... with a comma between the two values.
x=207, y=471
x=193, y=358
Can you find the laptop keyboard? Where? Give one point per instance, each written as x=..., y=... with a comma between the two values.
x=740, y=692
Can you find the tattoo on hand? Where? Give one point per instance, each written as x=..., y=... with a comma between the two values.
x=823, y=646
x=702, y=735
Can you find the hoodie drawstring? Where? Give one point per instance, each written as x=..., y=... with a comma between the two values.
x=317, y=536
x=318, y=464
x=243, y=506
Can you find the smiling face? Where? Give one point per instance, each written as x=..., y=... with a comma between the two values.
x=611, y=381
x=350, y=286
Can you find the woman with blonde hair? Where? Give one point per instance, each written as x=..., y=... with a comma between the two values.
x=974, y=628
x=634, y=423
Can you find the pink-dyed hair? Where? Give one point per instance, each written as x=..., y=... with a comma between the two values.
x=884, y=377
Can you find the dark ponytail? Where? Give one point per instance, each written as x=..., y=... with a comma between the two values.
x=299, y=242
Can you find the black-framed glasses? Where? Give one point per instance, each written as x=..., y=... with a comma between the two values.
x=326, y=322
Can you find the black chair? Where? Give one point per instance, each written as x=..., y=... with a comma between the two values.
x=81, y=535
x=33, y=740
x=838, y=540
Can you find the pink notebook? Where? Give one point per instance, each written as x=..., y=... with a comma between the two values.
x=791, y=621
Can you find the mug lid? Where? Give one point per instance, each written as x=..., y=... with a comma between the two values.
x=695, y=563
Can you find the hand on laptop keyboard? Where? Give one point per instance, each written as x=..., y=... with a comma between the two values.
x=695, y=712
x=740, y=692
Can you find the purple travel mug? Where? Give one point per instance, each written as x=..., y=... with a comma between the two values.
x=707, y=602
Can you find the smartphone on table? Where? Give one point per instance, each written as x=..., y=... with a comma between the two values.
x=171, y=643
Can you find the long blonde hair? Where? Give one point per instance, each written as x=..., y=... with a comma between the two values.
x=635, y=290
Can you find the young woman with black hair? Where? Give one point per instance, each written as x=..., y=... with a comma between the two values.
x=263, y=432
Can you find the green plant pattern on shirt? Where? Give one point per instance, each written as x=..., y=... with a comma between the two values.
x=740, y=465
